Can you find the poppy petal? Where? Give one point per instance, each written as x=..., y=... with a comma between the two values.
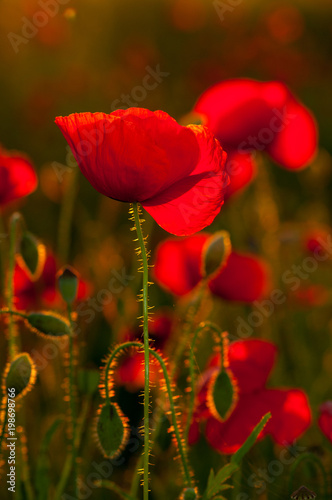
x=251, y=362
x=242, y=169
x=17, y=177
x=176, y=265
x=130, y=155
x=244, y=278
x=294, y=147
x=290, y=411
x=192, y=203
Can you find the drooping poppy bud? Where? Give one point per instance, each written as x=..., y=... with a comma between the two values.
x=20, y=375
x=68, y=284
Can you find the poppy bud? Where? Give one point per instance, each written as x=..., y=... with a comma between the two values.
x=31, y=255
x=112, y=430
x=215, y=253
x=68, y=284
x=48, y=324
x=189, y=494
x=20, y=374
x=222, y=395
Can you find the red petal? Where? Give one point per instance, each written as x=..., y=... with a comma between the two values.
x=244, y=278
x=291, y=416
x=296, y=144
x=177, y=263
x=241, y=169
x=237, y=109
x=130, y=155
x=192, y=203
x=246, y=115
x=17, y=177
x=325, y=419
x=251, y=362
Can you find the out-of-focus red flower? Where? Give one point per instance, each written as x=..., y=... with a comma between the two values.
x=177, y=268
x=315, y=239
x=311, y=295
x=130, y=371
x=248, y=116
x=325, y=419
x=177, y=173
x=251, y=362
x=17, y=176
x=44, y=292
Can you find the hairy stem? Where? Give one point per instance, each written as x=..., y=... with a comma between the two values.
x=177, y=433
x=72, y=400
x=145, y=269
x=12, y=333
x=192, y=373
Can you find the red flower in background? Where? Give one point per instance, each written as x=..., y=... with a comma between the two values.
x=177, y=268
x=247, y=115
x=251, y=362
x=177, y=173
x=44, y=292
x=130, y=371
x=17, y=177
x=325, y=419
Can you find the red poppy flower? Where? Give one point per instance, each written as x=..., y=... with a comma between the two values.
x=325, y=419
x=17, y=177
x=311, y=295
x=44, y=292
x=176, y=173
x=177, y=268
x=248, y=115
x=251, y=362
x=130, y=372
x=317, y=241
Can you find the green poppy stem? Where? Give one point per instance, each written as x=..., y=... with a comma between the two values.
x=206, y=325
x=145, y=269
x=12, y=332
x=72, y=400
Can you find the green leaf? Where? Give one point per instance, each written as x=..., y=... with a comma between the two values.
x=222, y=395
x=112, y=430
x=48, y=324
x=216, y=482
x=250, y=441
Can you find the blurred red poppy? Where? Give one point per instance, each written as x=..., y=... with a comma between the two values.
x=17, y=176
x=248, y=116
x=177, y=173
x=44, y=292
x=251, y=362
x=130, y=371
x=325, y=419
x=177, y=268
x=311, y=295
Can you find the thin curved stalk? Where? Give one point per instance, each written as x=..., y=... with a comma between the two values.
x=145, y=269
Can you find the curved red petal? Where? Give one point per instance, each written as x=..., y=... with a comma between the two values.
x=295, y=145
x=244, y=278
x=17, y=177
x=325, y=419
x=130, y=155
x=177, y=263
x=291, y=417
x=191, y=204
x=242, y=169
x=237, y=109
x=251, y=362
